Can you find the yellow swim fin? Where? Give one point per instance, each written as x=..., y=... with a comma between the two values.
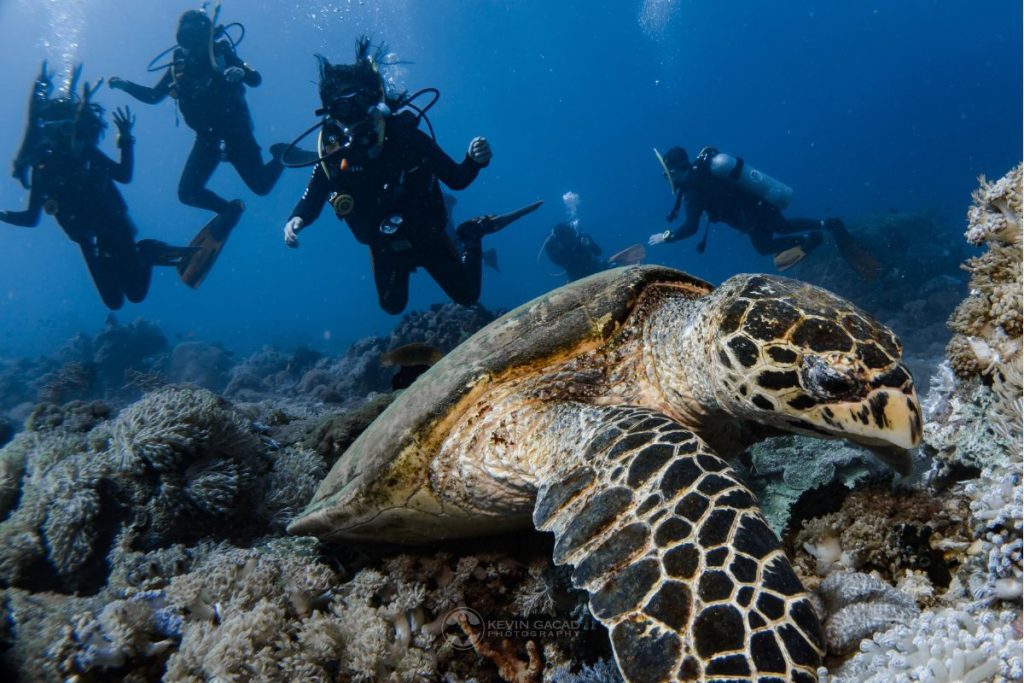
x=207, y=244
x=785, y=260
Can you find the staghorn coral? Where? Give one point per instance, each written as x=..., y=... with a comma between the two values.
x=988, y=323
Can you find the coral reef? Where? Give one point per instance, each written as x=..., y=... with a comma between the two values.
x=988, y=323
x=951, y=645
x=854, y=606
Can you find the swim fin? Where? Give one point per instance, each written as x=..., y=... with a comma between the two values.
x=294, y=157
x=853, y=252
x=490, y=259
x=630, y=256
x=785, y=260
x=664, y=168
x=208, y=242
x=157, y=253
x=476, y=228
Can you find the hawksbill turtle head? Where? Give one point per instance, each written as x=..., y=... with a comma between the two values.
x=798, y=358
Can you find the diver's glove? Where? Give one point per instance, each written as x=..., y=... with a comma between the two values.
x=659, y=237
x=116, y=83
x=480, y=151
x=124, y=120
x=291, y=231
x=233, y=74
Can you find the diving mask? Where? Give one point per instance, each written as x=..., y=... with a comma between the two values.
x=352, y=106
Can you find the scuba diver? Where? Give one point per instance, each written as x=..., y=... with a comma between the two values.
x=730, y=191
x=579, y=255
x=207, y=80
x=73, y=181
x=380, y=173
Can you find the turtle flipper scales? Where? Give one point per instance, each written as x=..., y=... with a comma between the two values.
x=680, y=565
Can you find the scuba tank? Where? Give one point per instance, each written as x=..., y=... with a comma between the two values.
x=748, y=178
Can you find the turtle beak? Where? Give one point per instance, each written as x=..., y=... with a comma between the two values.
x=887, y=422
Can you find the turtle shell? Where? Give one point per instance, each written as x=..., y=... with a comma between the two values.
x=387, y=467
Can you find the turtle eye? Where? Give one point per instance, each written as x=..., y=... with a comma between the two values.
x=826, y=381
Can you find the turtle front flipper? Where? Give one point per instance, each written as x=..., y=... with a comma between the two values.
x=680, y=566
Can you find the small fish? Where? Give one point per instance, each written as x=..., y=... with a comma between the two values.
x=416, y=353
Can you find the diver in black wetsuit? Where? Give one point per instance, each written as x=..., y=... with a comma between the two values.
x=73, y=180
x=380, y=173
x=208, y=81
x=574, y=251
x=727, y=202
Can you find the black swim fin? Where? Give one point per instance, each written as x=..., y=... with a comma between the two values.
x=294, y=157
x=208, y=242
x=157, y=253
x=853, y=251
x=476, y=228
x=490, y=259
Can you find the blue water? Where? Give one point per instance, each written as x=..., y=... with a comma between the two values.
x=861, y=107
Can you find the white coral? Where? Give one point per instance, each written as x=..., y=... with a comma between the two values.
x=948, y=645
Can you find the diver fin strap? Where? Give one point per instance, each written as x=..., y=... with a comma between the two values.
x=630, y=256
x=207, y=244
x=856, y=254
x=785, y=260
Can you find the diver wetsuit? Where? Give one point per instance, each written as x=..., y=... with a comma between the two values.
x=401, y=181
x=724, y=202
x=78, y=189
x=215, y=108
x=575, y=252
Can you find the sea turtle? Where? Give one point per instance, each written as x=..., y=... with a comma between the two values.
x=603, y=411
